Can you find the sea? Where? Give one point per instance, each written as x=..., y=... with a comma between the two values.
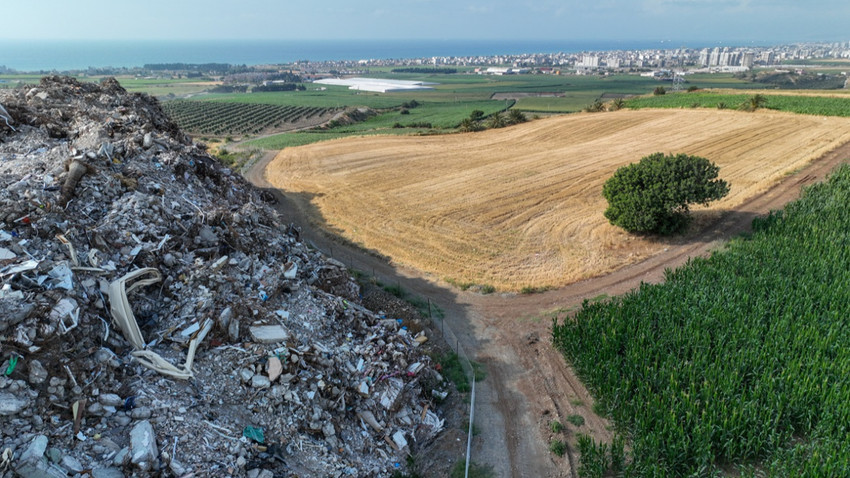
x=45, y=56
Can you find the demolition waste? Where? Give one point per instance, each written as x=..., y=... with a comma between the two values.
x=156, y=318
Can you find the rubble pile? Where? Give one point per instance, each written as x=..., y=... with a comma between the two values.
x=156, y=318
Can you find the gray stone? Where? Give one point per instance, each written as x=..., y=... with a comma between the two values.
x=40, y=470
x=54, y=454
x=143, y=451
x=269, y=334
x=122, y=457
x=72, y=464
x=177, y=468
x=95, y=409
x=107, y=473
x=233, y=329
x=12, y=403
x=265, y=474
x=122, y=420
x=141, y=413
x=110, y=400
x=35, y=450
x=246, y=374
x=260, y=381
x=38, y=374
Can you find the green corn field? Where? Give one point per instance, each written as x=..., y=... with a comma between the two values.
x=738, y=363
x=807, y=105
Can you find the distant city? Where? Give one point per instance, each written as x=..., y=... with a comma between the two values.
x=711, y=59
x=684, y=60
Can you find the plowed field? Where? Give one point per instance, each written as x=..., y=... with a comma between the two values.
x=522, y=206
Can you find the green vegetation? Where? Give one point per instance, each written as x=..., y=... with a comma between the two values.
x=425, y=118
x=236, y=159
x=423, y=306
x=576, y=420
x=556, y=426
x=534, y=290
x=753, y=103
x=738, y=362
x=475, y=470
x=453, y=370
x=216, y=118
x=809, y=105
x=652, y=196
x=558, y=447
x=799, y=81
x=600, y=459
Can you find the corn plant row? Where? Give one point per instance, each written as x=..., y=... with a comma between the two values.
x=809, y=105
x=740, y=360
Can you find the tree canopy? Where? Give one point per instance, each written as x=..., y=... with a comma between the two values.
x=653, y=195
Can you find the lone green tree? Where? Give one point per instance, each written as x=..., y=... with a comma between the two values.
x=653, y=195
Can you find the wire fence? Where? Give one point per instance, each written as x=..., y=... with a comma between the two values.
x=438, y=323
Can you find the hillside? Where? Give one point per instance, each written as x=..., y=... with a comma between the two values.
x=158, y=319
x=522, y=207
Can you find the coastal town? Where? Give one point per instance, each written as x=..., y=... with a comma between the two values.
x=728, y=59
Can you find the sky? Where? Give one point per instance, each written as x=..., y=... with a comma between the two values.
x=757, y=21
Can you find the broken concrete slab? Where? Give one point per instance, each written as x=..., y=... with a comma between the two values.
x=269, y=334
x=143, y=449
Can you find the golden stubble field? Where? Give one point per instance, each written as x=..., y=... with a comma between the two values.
x=522, y=206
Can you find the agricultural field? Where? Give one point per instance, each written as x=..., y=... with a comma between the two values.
x=219, y=118
x=165, y=88
x=427, y=118
x=521, y=207
x=453, y=99
x=737, y=365
x=807, y=103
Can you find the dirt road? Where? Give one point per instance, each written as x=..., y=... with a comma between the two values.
x=528, y=383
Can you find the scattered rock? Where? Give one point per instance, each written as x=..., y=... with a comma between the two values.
x=38, y=374
x=143, y=449
x=12, y=404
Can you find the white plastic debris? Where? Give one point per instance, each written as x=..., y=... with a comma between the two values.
x=62, y=277
x=66, y=309
x=122, y=313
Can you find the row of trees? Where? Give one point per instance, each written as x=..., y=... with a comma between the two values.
x=476, y=120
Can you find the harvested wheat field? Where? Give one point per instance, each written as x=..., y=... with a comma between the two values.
x=522, y=206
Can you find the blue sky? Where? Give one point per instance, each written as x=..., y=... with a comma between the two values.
x=711, y=20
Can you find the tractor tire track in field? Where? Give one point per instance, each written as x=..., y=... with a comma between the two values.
x=528, y=382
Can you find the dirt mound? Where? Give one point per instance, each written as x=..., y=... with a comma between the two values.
x=126, y=255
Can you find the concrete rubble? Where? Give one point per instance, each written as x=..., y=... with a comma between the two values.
x=97, y=183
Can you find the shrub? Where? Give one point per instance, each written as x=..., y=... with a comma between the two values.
x=556, y=426
x=653, y=195
x=558, y=447
x=516, y=117
x=576, y=420
x=659, y=90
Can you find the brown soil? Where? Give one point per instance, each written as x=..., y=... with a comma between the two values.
x=528, y=382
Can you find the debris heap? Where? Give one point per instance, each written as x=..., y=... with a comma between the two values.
x=156, y=318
